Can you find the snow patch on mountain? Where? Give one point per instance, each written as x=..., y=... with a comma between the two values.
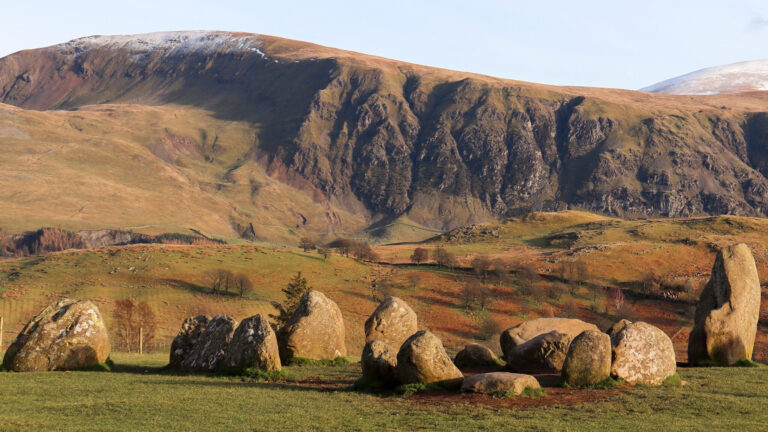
x=728, y=79
x=177, y=42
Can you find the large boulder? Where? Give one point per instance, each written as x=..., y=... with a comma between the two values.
x=315, y=331
x=393, y=322
x=379, y=361
x=209, y=352
x=475, y=355
x=422, y=359
x=530, y=329
x=68, y=334
x=543, y=354
x=495, y=382
x=642, y=354
x=253, y=345
x=618, y=326
x=185, y=340
x=588, y=361
x=726, y=317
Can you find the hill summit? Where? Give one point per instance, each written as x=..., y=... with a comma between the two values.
x=270, y=138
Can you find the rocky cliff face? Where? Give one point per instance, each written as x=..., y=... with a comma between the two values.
x=385, y=139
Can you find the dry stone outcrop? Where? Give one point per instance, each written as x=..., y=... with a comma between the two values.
x=422, y=359
x=588, y=361
x=210, y=350
x=393, y=322
x=315, y=331
x=68, y=334
x=494, y=382
x=253, y=345
x=185, y=340
x=642, y=354
x=726, y=317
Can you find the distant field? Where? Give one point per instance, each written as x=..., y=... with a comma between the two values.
x=138, y=395
x=618, y=254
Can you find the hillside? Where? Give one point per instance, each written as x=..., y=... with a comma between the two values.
x=261, y=137
x=658, y=266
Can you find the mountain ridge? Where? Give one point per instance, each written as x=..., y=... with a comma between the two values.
x=379, y=140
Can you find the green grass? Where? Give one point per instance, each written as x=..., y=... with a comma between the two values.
x=301, y=361
x=610, y=383
x=139, y=394
x=740, y=363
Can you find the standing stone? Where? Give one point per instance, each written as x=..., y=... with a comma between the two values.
x=253, y=345
x=68, y=334
x=642, y=354
x=530, y=329
x=378, y=362
x=493, y=382
x=211, y=347
x=393, y=322
x=543, y=354
x=475, y=355
x=182, y=344
x=422, y=359
x=315, y=331
x=618, y=326
x=726, y=317
x=588, y=361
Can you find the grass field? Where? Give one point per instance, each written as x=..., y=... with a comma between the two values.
x=139, y=395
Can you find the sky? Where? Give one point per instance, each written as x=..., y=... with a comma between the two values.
x=606, y=43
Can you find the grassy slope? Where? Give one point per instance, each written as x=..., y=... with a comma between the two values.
x=153, y=178
x=140, y=397
x=172, y=278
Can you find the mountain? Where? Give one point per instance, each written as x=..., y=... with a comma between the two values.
x=256, y=136
x=733, y=78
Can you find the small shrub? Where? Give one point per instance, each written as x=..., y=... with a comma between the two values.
x=672, y=381
x=406, y=390
x=533, y=392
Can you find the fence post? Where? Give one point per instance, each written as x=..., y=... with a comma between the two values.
x=141, y=340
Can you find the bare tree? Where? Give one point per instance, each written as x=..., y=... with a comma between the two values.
x=135, y=324
x=307, y=244
x=444, y=258
x=481, y=264
x=242, y=284
x=324, y=252
x=147, y=323
x=420, y=255
x=500, y=268
x=220, y=280
x=475, y=295
x=528, y=277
